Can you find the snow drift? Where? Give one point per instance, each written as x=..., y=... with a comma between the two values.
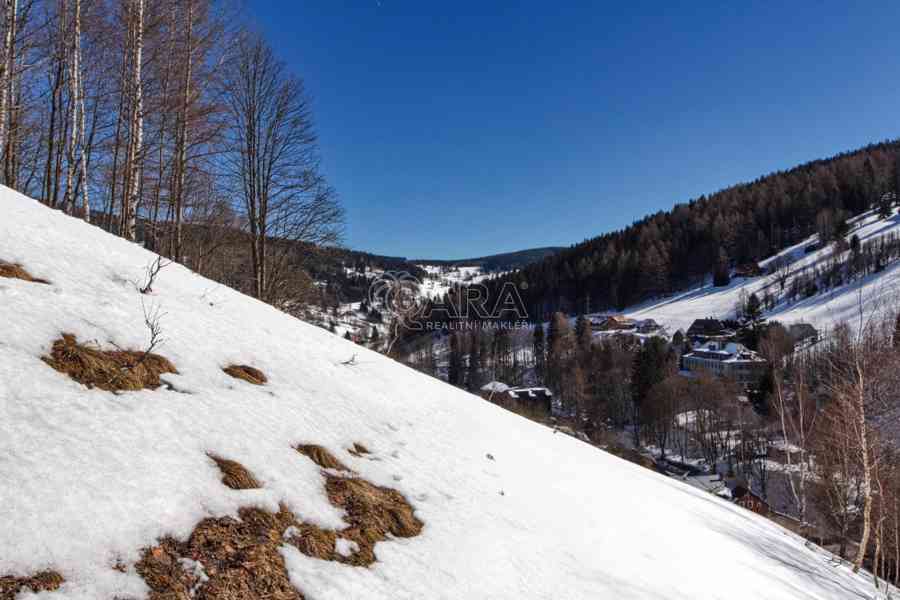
x=89, y=479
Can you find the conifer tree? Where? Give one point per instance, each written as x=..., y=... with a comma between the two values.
x=538, y=352
x=455, y=365
x=583, y=336
x=721, y=275
x=651, y=365
x=474, y=370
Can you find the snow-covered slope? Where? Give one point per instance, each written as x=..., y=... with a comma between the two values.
x=89, y=478
x=822, y=311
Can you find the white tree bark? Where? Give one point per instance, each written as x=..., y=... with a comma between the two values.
x=137, y=127
x=181, y=165
x=9, y=35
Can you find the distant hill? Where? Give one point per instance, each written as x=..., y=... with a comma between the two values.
x=508, y=261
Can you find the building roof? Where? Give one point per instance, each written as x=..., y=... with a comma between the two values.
x=725, y=352
x=532, y=392
x=495, y=386
x=706, y=326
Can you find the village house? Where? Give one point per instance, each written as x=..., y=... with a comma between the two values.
x=613, y=323
x=706, y=330
x=745, y=497
x=726, y=359
x=803, y=334
x=647, y=326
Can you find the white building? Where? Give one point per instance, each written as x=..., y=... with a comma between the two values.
x=726, y=359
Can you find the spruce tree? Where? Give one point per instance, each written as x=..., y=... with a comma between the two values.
x=896, y=339
x=583, y=336
x=455, y=366
x=538, y=352
x=473, y=372
x=652, y=364
x=721, y=274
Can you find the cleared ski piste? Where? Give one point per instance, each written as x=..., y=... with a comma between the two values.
x=823, y=311
x=89, y=479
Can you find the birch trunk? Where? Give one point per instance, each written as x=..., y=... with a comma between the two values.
x=134, y=190
x=865, y=461
x=11, y=8
x=181, y=163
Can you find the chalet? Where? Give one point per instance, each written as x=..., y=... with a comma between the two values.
x=726, y=359
x=613, y=323
x=702, y=331
x=749, y=500
x=646, y=326
x=803, y=334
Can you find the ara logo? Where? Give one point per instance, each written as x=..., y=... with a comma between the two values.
x=463, y=305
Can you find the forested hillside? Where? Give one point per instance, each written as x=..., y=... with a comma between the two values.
x=507, y=261
x=711, y=234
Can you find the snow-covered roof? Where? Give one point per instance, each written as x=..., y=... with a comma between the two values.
x=531, y=392
x=495, y=386
x=726, y=352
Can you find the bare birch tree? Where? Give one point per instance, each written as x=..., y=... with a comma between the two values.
x=272, y=159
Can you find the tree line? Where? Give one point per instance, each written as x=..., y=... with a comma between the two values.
x=165, y=124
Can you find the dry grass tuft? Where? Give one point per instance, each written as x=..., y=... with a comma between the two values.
x=373, y=513
x=46, y=581
x=247, y=373
x=321, y=457
x=13, y=271
x=358, y=449
x=234, y=474
x=114, y=370
x=240, y=557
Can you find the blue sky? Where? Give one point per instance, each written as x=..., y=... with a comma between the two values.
x=458, y=129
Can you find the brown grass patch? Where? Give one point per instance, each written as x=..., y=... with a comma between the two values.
x=14, y=271
x=46, y=581
x=247, y=373
x=321, y=457
x=239, y=556
x=234, y=474
x=114, y=370
x=358, y=449
x=373, y=512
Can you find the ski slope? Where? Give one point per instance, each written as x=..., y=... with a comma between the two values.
x=89, y=478
x=823, y=311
